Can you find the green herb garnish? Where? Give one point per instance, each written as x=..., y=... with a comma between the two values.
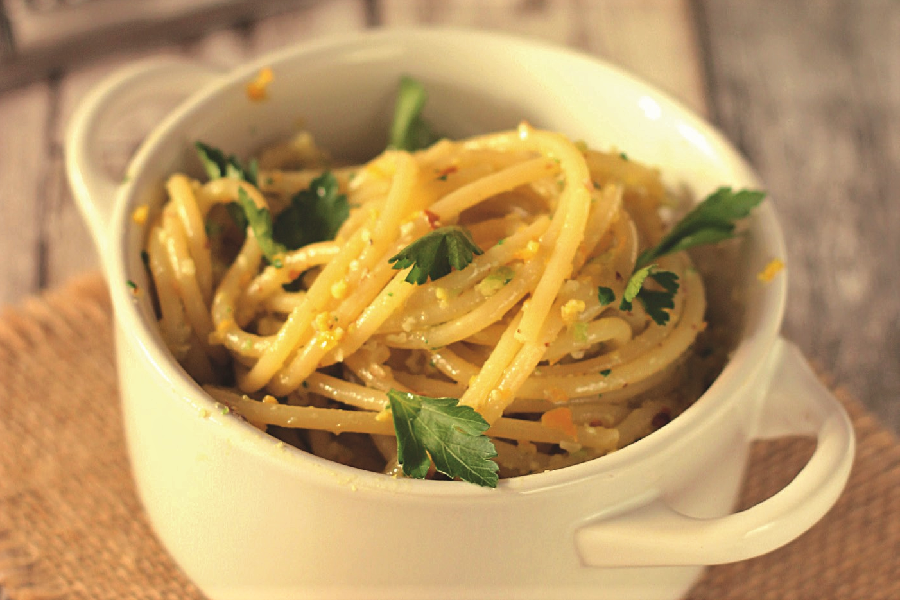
x=496, y=280
x=218, y=165
x=260, y=221
x=436, y=254
x=580, y=331
x=438, y=430
x=655, y=302
x=605, y=295
x=711, y=221
x=408, y=130
x=236, y=212
x=314, y=215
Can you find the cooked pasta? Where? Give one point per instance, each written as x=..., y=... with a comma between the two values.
x=308, y=342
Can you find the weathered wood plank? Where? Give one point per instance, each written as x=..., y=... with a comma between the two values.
x=811, y=94
x=23, y=171
x=550, y=20
x=654, y=39
x=69, y=249
x=319, y=20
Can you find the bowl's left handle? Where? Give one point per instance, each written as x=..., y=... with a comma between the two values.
x=95, y=190
x=655, y=534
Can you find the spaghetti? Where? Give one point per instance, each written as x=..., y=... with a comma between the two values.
x=309, y=343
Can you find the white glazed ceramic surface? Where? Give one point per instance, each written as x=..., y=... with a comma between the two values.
x=247, y=518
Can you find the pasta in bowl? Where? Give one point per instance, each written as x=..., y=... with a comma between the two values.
x=381, y=301
x=247, y=515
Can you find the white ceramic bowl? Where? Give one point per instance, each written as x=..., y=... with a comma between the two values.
x=248, y=518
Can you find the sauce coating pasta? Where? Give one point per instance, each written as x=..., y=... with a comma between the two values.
x=531, y=334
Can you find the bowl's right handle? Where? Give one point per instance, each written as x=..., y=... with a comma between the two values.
x=657, y=535
x=95, y=190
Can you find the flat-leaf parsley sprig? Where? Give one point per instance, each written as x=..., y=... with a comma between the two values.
x=409, y=131
x=441, y=431
x=217, y=164
x=436, y=254
x=260, y=221
x=711, y=221
x=655, y=302
x=314, y=214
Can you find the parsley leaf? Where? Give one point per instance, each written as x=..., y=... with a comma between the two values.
x=436, y=254
x=605, y=295
x=236, y=212
x=408, y=130
x=314, y=215
x=655, y=302
x=634, y=285
x=260, y=221
x=451, y=435
x=711, y=221
x=217, y=164
x=667, y=279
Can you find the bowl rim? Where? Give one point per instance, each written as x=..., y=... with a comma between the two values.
x=746, y=362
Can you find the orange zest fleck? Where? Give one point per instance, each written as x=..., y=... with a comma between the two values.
x=560, y=419
x=772, y=269
x=257, y=90
x=139, y=215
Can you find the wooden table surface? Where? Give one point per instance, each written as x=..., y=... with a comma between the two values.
x=809, y=90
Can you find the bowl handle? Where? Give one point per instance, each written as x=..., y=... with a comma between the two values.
x=657, y=535
x=94, y=188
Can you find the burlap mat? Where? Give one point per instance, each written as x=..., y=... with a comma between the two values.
x=71, y=525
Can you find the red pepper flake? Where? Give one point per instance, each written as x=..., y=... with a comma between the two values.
x=443, y=173
x=433, y=220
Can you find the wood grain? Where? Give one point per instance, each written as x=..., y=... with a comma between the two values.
x=654, y=39
x=810, y=92
x=68, y=248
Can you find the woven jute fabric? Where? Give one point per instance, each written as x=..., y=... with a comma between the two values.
x=72, y=527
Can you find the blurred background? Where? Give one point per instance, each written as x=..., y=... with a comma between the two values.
x=808, y=90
